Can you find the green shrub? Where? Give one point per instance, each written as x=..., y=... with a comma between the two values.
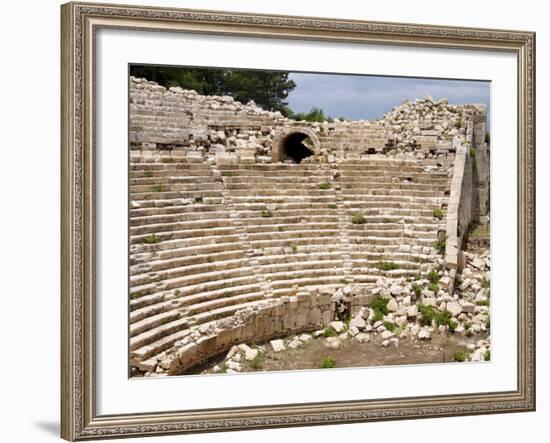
x=328, y=363
x=458, y=123
x=473, y=152
x=433, y=276
x=148, y=174
x=378, y=316
x=482, y=302
x=358, y=219
x=443, y=318
x=333, y=206
x=228, y=173
x=380, y=307
x=151, y=239
x=439, y=245
x=266, y=213
x=330, y=332
x=257, y=362
x=325, y=185
x=438, y=213
x=461, y=356
x=389, y=326
x=158, y=188
x=294, y=248
x=387, y=265
x=427, y=314
x=434, y=287
x=487, y=356
x=417, y=290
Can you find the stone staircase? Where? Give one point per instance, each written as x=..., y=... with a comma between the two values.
x=207, y=241
x=188, y=263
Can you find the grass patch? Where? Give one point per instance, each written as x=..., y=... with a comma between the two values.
x=333, y=206
x=437, y=213
x=148, y=174
x=387, y=265
x=330, y=332
x=487, y=356
x=458, y=123
x=380, y=307
x=482, y=302
x=345, y=282
x=294, y=248
x=434, y=287
x=358, y=219
x=228, y=173
x=158, y=188
x=389, y=326
x=473, y=153
x=328, y=363
x=427, y=314
x=485, y=283
x=417, y=290
x=433, y=276
x=325, y=185
x=267, y=214
x=461, y=356
x=439, y=245
x=444, y=318
x=151, y=239
x=257, y=362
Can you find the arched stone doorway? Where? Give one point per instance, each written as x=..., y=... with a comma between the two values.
x=294, y=145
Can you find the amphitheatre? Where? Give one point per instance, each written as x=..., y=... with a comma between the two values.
x=252, y=234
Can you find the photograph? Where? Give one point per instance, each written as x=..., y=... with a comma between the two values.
x=286, y=220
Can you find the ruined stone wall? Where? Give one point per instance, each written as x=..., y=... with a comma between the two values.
x=470, y=188
x=220, y=129
x=275, y=318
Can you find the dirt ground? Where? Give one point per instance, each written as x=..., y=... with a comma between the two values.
x=311, y=355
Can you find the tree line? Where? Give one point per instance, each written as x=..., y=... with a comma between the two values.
x=268, y=89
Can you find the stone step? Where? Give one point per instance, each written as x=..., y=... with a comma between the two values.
x=158, y=332
x=180, y=225
x=221, y=303
x=175, y=217
x=152, y=321
x=173, y=244
x=157, y=346
x=177, y=206
x=286, y=236
x=223, y=312
x=169, y=194
x=282, y=226
x=194, y=259
x=201, y=235
x=224, y=267
x=191, y=284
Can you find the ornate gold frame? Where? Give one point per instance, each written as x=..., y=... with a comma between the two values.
x=79, y=420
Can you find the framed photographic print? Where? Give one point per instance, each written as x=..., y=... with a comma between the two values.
x=283, y=221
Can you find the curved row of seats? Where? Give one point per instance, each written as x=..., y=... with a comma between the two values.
x=206, y=242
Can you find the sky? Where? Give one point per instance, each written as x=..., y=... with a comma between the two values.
x=359, y=97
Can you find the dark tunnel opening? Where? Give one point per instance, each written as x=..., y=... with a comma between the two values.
x=294, y=147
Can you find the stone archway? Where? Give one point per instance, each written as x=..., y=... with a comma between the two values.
x=294, y=144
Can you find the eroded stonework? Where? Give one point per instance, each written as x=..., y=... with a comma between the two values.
x=235, y=238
